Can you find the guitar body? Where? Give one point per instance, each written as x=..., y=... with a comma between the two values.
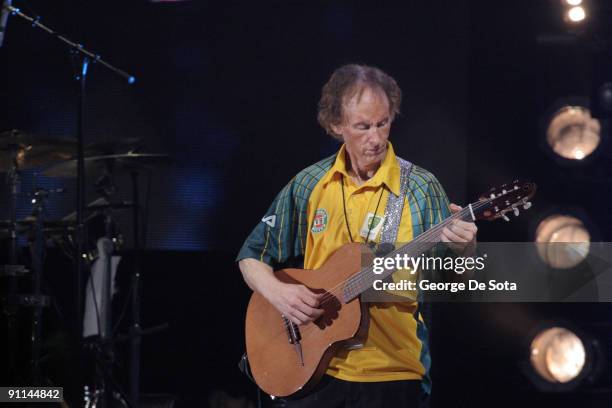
x=276, y=364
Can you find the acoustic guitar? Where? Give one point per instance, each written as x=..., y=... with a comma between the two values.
x=286, y=359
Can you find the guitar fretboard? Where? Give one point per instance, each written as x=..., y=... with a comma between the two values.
x=364, y=279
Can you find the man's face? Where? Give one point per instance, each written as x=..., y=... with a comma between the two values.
x=366, y=126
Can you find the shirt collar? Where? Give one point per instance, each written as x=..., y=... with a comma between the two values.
x=388, y=173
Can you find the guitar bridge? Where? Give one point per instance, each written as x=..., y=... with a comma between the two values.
x=294, y=335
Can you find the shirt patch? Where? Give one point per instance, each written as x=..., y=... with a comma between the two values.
x=372, y=224
x=320, y=221
x=269, y=220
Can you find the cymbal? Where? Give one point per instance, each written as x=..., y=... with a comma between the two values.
x=128, y=161
x=28, y=224
x=27, y=151
x=122, y=145
x=99, y=205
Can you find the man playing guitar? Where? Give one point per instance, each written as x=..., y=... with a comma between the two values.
x=345, y=198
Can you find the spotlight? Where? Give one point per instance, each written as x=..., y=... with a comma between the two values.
x=562, y=358
x=573, y=2
x=558, y=355
x=576, y=14
x=572, y=133
x=562, y=241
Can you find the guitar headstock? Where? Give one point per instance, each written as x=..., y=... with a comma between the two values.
x=499, y=201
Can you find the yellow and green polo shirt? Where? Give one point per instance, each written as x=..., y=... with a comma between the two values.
x=305, y=224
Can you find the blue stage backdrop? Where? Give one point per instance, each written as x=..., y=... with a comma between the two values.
x=230, y=90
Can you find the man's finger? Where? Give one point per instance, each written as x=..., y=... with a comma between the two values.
x=451, y=236
x=309, y=298
x=455, y=208
x=300, y=318
x=466, y=225
x=463, y=230
x=311, y=312
x=443, y=237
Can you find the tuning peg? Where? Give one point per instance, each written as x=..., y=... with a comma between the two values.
x=527, y=205
x=505, y=217
x=516, y=211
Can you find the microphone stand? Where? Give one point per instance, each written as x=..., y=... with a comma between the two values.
x=136, y=327
x=37, y=250
x=13, y=271
x=83, y=58
x=75, y=47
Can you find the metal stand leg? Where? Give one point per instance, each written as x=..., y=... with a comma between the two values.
x=136, y=329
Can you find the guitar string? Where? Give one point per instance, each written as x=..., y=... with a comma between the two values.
x=427, y=235
x=361, y=277
x=335, y=291
x=420, y=244
x=358, y=279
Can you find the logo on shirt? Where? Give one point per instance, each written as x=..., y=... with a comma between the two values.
x=371, y=225
x=320, y=221
x=270, y=220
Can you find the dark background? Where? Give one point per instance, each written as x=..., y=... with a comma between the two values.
x=229, y=90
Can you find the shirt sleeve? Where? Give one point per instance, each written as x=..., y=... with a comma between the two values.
x=272, y=241
x=438, y=200
x=438, y=210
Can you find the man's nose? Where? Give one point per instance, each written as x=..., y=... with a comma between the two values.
x=375, y=135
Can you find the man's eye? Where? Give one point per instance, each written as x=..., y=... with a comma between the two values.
x=383, y=123
x=363, y=127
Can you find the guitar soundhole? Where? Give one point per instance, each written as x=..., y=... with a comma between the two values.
x=331, y=307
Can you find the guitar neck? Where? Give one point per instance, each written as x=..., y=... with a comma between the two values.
x=364, y=279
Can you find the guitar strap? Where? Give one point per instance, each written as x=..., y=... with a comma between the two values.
x=393, y=215
x=390, y=228
x=395, y=205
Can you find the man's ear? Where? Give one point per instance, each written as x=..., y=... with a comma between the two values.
x=337, y=129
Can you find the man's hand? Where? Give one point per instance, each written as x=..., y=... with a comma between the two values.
x=460, y=235
x=296, y=302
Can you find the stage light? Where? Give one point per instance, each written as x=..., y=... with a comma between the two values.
x=558, y=355
x=576, y=14
x=573, y=2
x=562, y=241
x=572, y=133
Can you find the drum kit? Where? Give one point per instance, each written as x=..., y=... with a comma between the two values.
x=55, y=157
x=72, y=158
